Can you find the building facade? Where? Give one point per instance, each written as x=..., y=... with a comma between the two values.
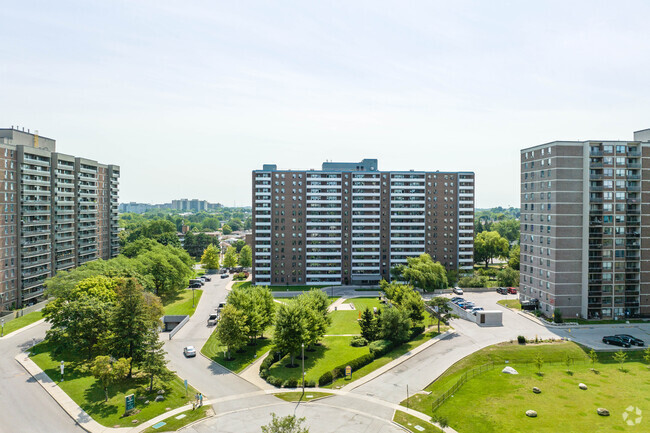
x=584, y=224
x=56, y=212
x=350, y=223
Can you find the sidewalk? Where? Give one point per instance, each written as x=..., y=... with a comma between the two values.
x=252, y=374
x=381, y=370
x=335, y=304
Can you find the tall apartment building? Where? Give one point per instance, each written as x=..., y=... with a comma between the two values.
x=585, y=218
x=349, y=223
x=56, y=211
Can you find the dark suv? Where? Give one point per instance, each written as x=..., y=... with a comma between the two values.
x=630, y=339
x=502, y=290
x=616, y=341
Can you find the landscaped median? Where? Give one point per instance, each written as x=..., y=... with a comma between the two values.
x=88, y=393
x=240, y=359
x=499, y=401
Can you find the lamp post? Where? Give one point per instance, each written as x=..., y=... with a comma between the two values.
x=62, y=369
x=2, y=333
x=303, y=367
x=192, y=297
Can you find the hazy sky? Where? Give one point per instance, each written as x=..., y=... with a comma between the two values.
x=188, y=97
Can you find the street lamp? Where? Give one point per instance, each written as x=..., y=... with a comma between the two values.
x=303, y=368
x=62, y=369
x=192, y=297
x=2, y=333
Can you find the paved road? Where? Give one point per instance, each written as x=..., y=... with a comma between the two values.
x=24, y=405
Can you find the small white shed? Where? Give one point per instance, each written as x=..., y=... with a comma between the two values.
x=489, y=318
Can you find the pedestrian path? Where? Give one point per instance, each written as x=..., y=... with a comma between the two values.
x=334, y=305
x=252, y=374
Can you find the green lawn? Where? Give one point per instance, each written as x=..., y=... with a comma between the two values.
x=345, y=321
x=182, y=304
x=409, y=422
x=293, y=397
x=332, y=352
x=214, y=350
x=390, y=356
x=510, y=303
x=499, y=401
x=279, y=288
x=173, y=424
x=84, y=389
x=22, y=321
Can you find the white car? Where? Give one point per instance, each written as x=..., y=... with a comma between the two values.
x=189, y=351
x=458, y=291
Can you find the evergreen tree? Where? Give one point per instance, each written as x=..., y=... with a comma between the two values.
x=368, y=324
x=153, y=361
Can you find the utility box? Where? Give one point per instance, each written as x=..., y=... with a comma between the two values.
x=489, y=318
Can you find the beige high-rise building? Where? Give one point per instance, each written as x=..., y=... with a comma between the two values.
x=56, y=211
x=585, y=218
x=350, y=223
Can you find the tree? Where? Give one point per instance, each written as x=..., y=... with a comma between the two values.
x=108, y=371
x=315, y=313
x=539, y=362
x=243, y=299
x=286, y=424
x=210, y=257
x=80, y=316
x=263, y=299
x=620, y=357
x=239, y=244
x=230, y=258
x=568, y=361
x=235, y=224
x=368, y=324
x=211, y=224
x=246, y=257
x=515, y=253
x=290, y=329
x=153, y=362
x=443, y=310
x=508, y=228
x=232, y=331
x=413, y=305
x=394, y=325
x=646, y=355
x=488, y=246
x=424, y=273
x=508, y=277
x=136, y=312
x=226, y=230
x=593, y=356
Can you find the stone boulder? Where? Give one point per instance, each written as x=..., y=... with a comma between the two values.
x=536, y=390
x=159, y=398
x=509, y=370
x=602, y=411
x=582, y=386
x=531, y=413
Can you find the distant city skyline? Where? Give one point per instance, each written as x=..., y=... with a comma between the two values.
x=190, y=98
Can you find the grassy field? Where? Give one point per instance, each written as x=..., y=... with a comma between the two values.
x=390, y=356
x=409, y=422
x=88, y=393
x=499, y=401
x=214, y=350
x=293, y=397
x=22, y=321
x=332, y=352
x=510, y=303
x=182, y=304
x=345, y=321
x=173, y=424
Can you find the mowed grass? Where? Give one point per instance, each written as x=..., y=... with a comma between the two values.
x=280, y=288
x=182, y=304
x=332, y=352
x=499, y=401
x=409, y=422
x=510, y=303
x=214, y=350
x=22, y=321
x=173, y=424
x=88, y=393
x=346, y=321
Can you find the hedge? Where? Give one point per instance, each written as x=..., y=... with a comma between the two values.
x=380, y=347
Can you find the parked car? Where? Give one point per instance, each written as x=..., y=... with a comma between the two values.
x=502, y=290
x=197, y=280
x=189, y=351
x=615, y=340
x=213, y=319
x=456, y=299
x=532, y=304
x=512, y=290
x=475, y=309
x=630, y=339
x=458, y=291
x=224, y=275
x=203, y=280
x=220, y=306
x=207, y=278
x=195, y=286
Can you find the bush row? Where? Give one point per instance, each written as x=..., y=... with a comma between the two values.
x=339, y=371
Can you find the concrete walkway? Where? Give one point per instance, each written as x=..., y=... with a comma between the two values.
x=334, y=305
x=252, y=374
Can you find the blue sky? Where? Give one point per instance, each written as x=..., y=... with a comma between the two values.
x=189, y=97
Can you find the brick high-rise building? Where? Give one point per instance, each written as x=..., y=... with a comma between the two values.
x=585, y=218
x=349, y=223
x=56, y=211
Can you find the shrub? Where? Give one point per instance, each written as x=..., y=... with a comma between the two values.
x=415, y=331
x=440, y=420
x=521, y=339
x=264, y=373
x=240, y=276
x=478, y=281
x=310, y=384
x=338, y=371
x=557, y=316
x=325, y=379
x=358, y=342
x=380, y=347
x=290, y=383
x=275, y=381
